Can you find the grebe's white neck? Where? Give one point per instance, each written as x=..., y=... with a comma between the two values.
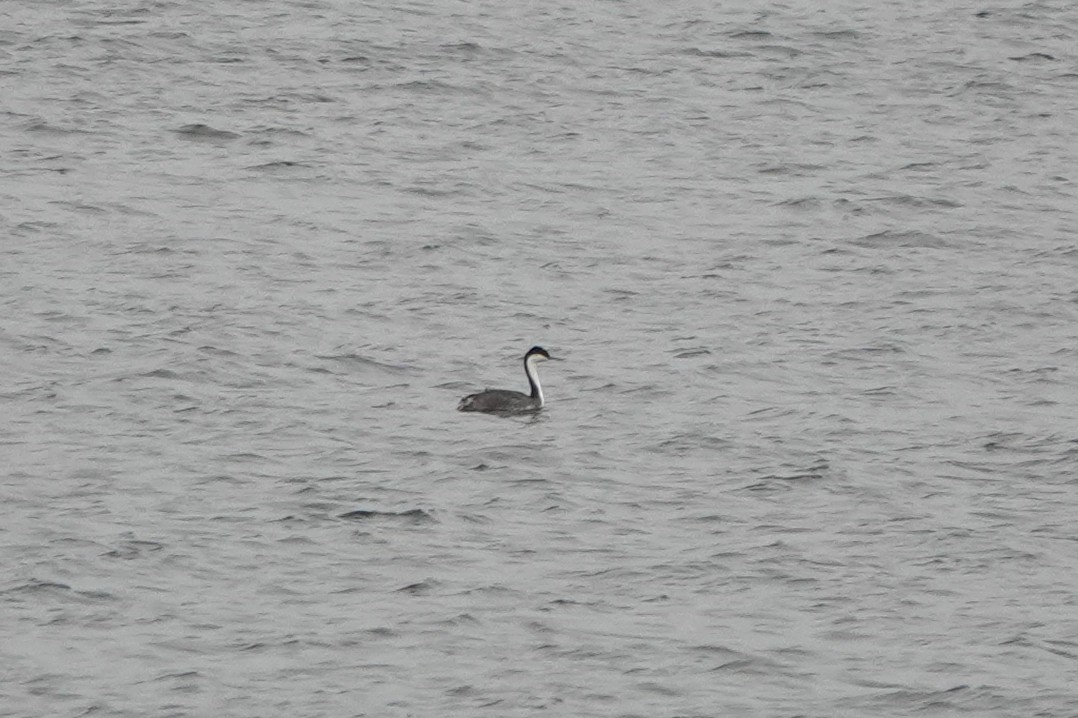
x=533, y=376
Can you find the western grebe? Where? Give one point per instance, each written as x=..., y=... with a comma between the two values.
x=501, y=401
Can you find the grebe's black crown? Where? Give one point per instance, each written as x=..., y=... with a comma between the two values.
x=537, y=350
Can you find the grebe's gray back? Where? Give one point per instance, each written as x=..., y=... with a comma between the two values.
x=503, y=401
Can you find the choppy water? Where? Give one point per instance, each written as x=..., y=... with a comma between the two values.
x=813, y=452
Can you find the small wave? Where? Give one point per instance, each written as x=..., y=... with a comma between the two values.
x=199, y=131
x=891, y=238
x=413, y=516
x=1035, y=57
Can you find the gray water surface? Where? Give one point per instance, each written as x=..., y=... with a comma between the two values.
x=813, y=450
